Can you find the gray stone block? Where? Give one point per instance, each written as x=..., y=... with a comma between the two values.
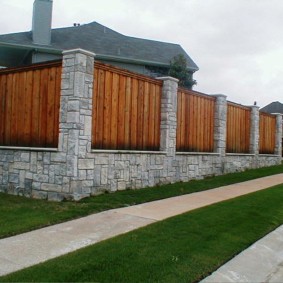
x=55, y=197
x=101, y=160
x=25, y=157
x=39, y=194
x=51, y=187
x=86, y=164
x=40, y=178
x=14, y=178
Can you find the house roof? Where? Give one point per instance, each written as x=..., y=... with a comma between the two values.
x=104, y=42
x=273, y=107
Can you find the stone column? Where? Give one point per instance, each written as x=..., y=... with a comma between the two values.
x=278, y=135
x=168, y=125
x=254, y=130
x=75, y=113
x=220, y=120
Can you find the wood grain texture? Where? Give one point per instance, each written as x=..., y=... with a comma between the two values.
x=195, y=121
x=238, y=128
x=126, y=110
x=30, y=101
x=267, y=130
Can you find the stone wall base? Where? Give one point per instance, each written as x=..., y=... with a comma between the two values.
x=45, y=175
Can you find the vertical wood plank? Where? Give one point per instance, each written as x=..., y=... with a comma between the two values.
x=145, y=136
x=3, y=83
x=99, y=110
x=50, y=115
x=201, y=125
x=28, y=109
x=107, y=105
x=9, y=103
x=128, y=113
x=151, y=125
x=140, y=115
x=43, y=106
x=114, y=114
x=14, y=110
x=35, y=115
x=134, y=116
x=181, y=131
x=121, y=113
x=94, y=106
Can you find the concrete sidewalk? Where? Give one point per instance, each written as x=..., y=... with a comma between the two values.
x=261, y=262
x=28, y=249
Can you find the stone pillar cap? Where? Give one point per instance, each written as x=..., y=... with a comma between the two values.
x=219, y=95
x=79, y=50
x=168, y=78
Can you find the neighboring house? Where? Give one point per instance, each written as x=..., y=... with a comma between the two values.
x=43, y=44
x=273, y=107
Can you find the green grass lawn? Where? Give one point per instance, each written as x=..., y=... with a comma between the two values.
x=184, y=248
x=19, y=214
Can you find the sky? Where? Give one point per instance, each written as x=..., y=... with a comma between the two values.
x=237, y=44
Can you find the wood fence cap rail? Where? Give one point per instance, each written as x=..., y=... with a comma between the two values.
x=37, y=66
x=196, y=93
x=121, y=71
x=231, y=103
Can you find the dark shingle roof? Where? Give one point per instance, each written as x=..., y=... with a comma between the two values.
x=104, y=41
x=274, y=107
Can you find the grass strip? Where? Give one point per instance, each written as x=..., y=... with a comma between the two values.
x=19, y=214
x=184, y=248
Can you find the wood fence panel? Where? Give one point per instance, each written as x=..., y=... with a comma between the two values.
x=126, y=110
x=267, y=130
x=195, y=122
x=30, y=100
x=238, y=128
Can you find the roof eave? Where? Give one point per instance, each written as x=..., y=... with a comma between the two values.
x=32, y=47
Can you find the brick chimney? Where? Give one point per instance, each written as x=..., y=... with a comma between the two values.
x=41, y=22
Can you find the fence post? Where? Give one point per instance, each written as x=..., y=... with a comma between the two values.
x=76, y=114
x=254, y=131
x=168, y=125
x=220, y=120
x=278, y=135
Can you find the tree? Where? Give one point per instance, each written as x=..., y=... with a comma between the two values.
x=178, y=69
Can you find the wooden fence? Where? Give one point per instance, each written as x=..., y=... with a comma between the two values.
x=195, y=122
x=126, y=110
x=29, y=104
x=267, y=129
x=238, y=128
x=126, y=113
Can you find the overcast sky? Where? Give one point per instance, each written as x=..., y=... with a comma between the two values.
x=237, y=44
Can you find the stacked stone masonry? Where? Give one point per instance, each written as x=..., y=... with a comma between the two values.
x=73, y=170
